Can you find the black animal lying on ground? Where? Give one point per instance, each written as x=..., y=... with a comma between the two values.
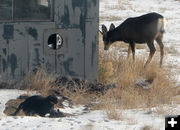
x=38, y=105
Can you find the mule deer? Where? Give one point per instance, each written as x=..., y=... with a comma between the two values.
x=142, y=29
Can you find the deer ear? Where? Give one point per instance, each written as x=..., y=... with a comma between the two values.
x=112, y=27
x=104, y=29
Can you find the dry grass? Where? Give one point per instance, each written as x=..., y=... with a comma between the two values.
x=110, y=18
x=127, y=95
x=147, y=128
x=127, y=73
x=111, y=106
x=40, y=82
x=106, y=71
x=79, y=95
x=89, y=126
x=118, y=6
x=43, y=83
x=172, y=50
x=160, y=110
x=124, y=73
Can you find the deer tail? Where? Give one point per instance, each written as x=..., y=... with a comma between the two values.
x=162, y=25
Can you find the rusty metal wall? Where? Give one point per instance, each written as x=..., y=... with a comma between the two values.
x=24, y=47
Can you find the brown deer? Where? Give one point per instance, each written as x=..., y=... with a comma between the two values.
x=142, y=29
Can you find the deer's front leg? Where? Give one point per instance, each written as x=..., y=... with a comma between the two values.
x=129, y=51
x=132, y=44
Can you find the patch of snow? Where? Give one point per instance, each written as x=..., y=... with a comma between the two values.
x=96, y=120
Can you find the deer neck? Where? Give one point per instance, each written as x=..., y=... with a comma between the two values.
x=114, y=35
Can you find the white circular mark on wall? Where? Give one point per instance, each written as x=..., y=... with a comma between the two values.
x=55, y=41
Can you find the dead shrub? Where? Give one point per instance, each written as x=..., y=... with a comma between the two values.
x=172, y=50
x=40, y=82
x=109, y=104
x=105, y=70
x=147, y=127
x=78, y=95
x=43, y=83
x=126, y=73
x=161, y=89
x=160, y=110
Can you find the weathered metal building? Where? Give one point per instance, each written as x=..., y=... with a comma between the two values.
x=58, y=35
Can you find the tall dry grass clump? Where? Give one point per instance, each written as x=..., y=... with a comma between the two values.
x=45, y=84
x=126, y=73
x=77, y=93
x=161, y=86
x=106, y=70
x=40, y=82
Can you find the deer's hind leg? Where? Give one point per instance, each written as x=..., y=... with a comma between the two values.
x=161, y=45
x=152, y=51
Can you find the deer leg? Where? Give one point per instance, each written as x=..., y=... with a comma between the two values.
x=161, y=45
x=132, y=44
x=152, y=51
x=129, y=51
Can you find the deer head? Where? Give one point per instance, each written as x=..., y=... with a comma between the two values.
x=106, y=39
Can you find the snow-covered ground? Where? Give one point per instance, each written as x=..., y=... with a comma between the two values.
x=110, y=11
x=82, y=119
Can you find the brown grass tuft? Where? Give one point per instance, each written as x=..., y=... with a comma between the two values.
x=126, y=74
x=147, y=128
x=105, y=70
x=40, y=82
